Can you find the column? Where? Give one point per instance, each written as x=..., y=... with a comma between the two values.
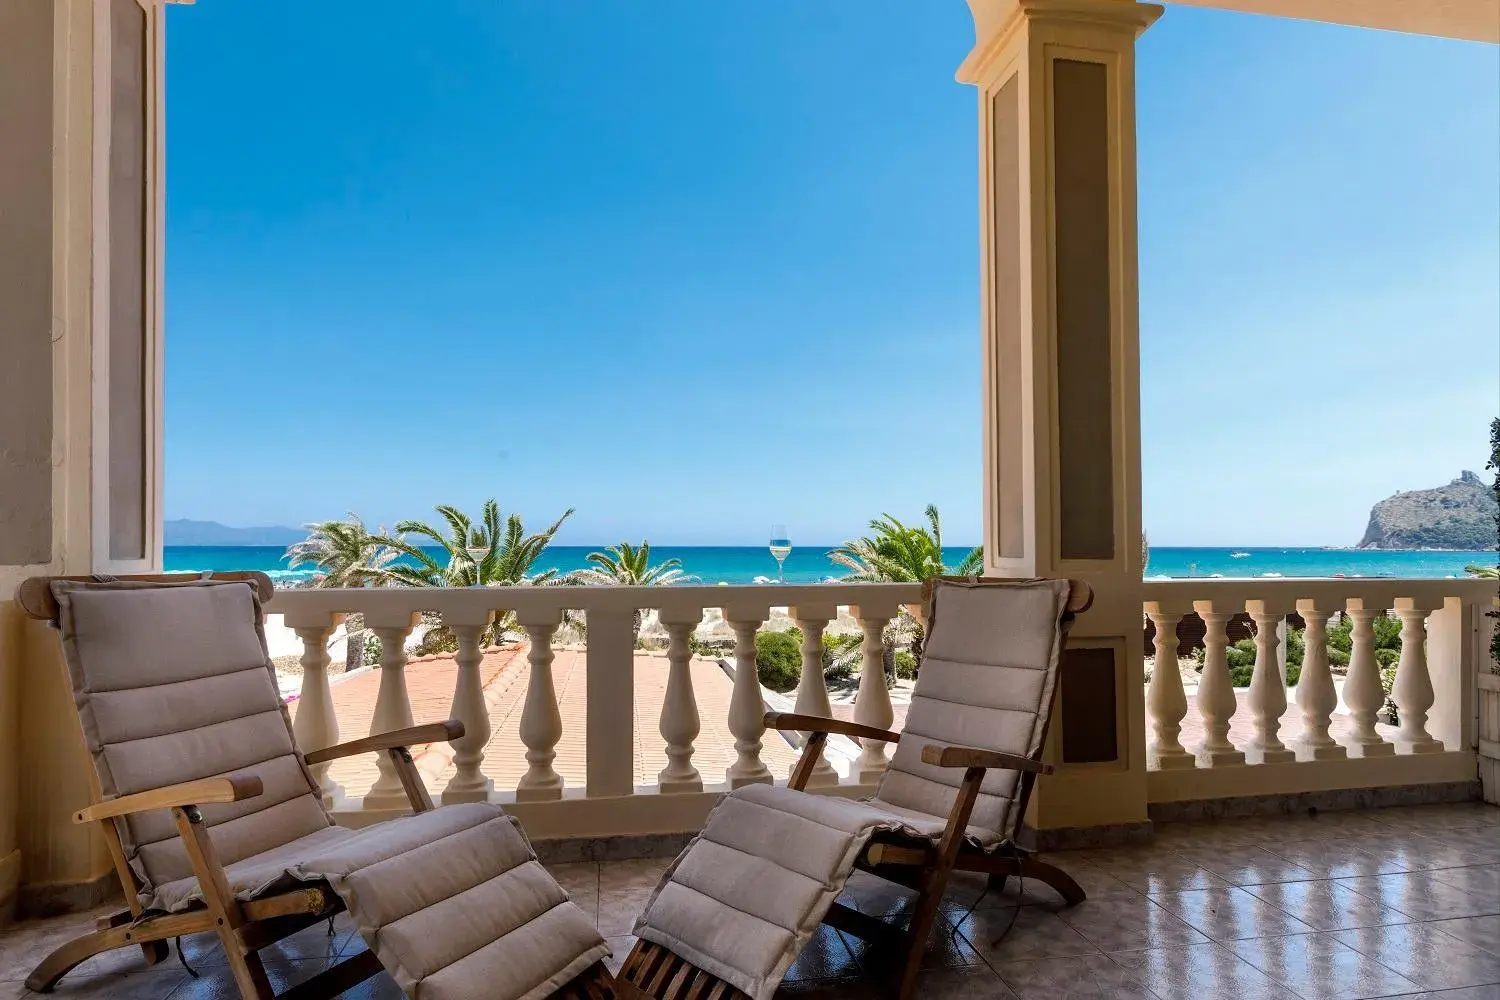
x=1165, y=697
x=1267, y=692
x=679, y=710
x=1216, y=704
x=872, y=704
x=315, y=726
x=1061, y=368
x=1412, y=691
x=468, y=783
x=812, y=687
x=541, y=722
x=1362, y=691
x=747, y=709
x=392, y=704
x=1316, y=697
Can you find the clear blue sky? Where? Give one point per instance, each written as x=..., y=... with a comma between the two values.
x=694, y=268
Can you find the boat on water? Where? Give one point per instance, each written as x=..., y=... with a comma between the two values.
x=1239, y=555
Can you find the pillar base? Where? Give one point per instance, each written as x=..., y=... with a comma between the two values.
x=386, y=801
x=1172, y=760
x=1428, y=745
x=823, y=776
x=454, y=796
x=541, y=793
x=752, y=779
x=1327, y=751
x=1261, y=755
x=1381, y=749
x=678, y=786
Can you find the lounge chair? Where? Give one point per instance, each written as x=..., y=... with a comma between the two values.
x=736, y=907
x=215, y=824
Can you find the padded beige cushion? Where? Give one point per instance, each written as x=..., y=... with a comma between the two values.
x=989, y=669
x=173, y=683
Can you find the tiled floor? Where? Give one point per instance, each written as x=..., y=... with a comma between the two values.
x=1390, y=903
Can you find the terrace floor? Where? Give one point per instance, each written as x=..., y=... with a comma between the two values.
x=1335, y=906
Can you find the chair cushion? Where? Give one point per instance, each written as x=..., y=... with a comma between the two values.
x=172, y=684
x=989, y=668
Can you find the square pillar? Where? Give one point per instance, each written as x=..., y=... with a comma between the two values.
x=1056, y=83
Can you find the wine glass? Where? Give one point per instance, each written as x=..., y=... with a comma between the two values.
x=781, y=547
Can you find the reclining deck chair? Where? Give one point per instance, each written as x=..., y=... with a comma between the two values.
x=214, y=822
x=731, y=914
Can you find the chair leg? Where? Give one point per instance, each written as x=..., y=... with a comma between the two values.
x=928, y=904
x=68, y=957
x=1050, y=875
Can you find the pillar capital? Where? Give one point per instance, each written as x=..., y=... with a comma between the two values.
x=1000, y=26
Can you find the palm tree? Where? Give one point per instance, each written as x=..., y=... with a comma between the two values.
x=494, y=552
x=488, y=554
x=625, y=565
x=1483, y=572
x=898, y=553
x=345, y=553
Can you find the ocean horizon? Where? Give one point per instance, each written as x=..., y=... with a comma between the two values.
x=743, y=564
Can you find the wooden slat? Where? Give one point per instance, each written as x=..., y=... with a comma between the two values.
x=189, y=793
x=336, y=979
x=432, y=732
x=298, y=901
x=811, y=751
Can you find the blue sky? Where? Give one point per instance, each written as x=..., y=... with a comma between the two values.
x=698, y=268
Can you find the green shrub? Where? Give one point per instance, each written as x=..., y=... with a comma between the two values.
x=840, y=657
x=778, y=660
x=906, y=665
x=372, y=649
x=1387, y=658
x=1338, y=657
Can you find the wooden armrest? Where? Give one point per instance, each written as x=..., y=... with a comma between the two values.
x=189, y=793
x=941, y=756
x=818, y=724
x=433, y=732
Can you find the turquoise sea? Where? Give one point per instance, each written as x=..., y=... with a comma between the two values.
x=810, y=564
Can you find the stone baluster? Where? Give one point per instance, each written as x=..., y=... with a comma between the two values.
x=679, y=710
x=812, y=689
x=1165, y=698
x=541, y=722
x=872, y=706
x=1315, y=695
x=468, y=783
x=316, y=726
x=1362, y=691
x=747, y=709
x=1412, y=691
x=1216, y=703
x=1267, y=687
x=392, y=705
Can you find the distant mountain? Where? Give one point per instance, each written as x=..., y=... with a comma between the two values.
x=1460, y=515
x=205, y=533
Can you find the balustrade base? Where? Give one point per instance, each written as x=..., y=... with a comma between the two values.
x=823, y=776
x=540, y=793
x=679, y=786
x=1171, y=760
x=1321, y=751
x=456, y=796
x=1262, y=755
x=1380, y=749
x=1428, y=745
x=1219, y=758
x=387, y=801
x=740, y=781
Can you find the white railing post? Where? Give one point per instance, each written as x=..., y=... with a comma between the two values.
x=392, y=704
x=1165, y=698
x=1362, y=691
x=1216, y=704
x=812, y=688
x=1267, y=687
x=609, y=730
x=1315, y=695
x=679, y=709
x=1458, y=649
x=1412, y=691
x=468, y=783
x=316, y=726
x=747, y=709
x=872, y=706
x=541, y=723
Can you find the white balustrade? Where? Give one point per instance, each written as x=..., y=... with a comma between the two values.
x=468, y=783
x=541, y=723
x=1412, y=691
x=812, y=688
x=1216, y=701
x=316, y=725
x=679, y=710
x=1316, y=697
x=1165, y=698
x=1267, y=687
x=392, y=706
x=872, y=706
x=1362, y=691
x=747, y=709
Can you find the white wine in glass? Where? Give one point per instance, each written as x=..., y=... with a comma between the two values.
x=781, y=547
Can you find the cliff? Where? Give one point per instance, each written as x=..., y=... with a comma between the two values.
x=1460, y=515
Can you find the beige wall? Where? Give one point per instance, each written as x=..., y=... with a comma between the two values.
x=26, y=281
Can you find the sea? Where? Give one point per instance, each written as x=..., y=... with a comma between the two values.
x=810, y=564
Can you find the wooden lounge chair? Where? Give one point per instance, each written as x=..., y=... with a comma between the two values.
x=745, y=896
x=215, y=825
